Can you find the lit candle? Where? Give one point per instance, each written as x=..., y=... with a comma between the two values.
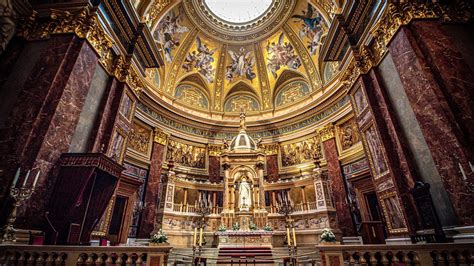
x=36, y=180
x=195, y=236
x=200, y=237
x=26, y=178
x=17, y=175
x=294, y=236
x=288, y=239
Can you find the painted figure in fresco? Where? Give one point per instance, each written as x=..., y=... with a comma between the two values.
x=312, y=27
x=242, y=65
x=201, y=59
x=281, y=54
x=168, y=33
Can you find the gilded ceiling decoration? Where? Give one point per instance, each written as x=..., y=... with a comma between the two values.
x=232, y=57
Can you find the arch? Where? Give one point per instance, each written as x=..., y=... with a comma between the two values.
x=241, y=86
x=286, y=75
x=242, y=168
x=291, y=91
x=241, y=101
x=196, y=79
x=192, y=90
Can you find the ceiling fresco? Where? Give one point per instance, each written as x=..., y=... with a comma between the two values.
x=244, y=76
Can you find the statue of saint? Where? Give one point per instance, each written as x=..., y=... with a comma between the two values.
x=244, y=195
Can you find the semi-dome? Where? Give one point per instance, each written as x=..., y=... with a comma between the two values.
x=242, y=142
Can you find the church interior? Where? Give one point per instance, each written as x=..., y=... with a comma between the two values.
x=235, y=132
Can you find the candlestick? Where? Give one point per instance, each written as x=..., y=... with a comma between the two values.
x=288, y=238
x=195, y=236
x=19, y=195
x=200, y=237
x=36, y=180
x=26, y=178
x=294, y=236
x=17, y=175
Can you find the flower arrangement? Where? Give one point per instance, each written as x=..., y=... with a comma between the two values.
x=327, y=236
x=222, y=228
x=252, y=226
x=267, y=228
x=159, y=237
x=236, y=227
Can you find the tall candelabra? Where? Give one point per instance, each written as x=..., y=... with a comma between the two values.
x=286, y=209
x=203, y=210
x=19, y=195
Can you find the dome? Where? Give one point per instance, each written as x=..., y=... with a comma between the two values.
x=262, y=57
x=242, y=142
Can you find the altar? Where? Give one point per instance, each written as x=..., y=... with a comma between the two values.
x=255, y=238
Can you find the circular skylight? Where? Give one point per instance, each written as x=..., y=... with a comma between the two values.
x=238, y=11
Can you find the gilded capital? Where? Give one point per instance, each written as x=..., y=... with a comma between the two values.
x=215, y=150
x=327, y=132
x=271, y=149
x=160, y=136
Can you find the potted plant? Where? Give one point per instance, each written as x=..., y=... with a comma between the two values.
x=159, y=238
x=236, y=227
x=327, y=237
x=222, y=228
x=252, y=226
x=267, y=228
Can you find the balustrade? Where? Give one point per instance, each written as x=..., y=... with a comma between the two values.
x=422, y=254
x=83, y=255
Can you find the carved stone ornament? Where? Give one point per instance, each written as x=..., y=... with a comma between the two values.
x=160, y=136
x=326, y=133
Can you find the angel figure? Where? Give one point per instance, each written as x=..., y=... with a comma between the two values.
x=312, y=27
x=242, y=64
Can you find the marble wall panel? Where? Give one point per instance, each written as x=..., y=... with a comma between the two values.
x=214, y=169
x=272, y=168
x=435, y=115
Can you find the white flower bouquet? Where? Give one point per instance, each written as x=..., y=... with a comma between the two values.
x=327, y=236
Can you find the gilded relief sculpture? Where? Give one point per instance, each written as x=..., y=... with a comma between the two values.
x=301, y=152
x=186, y=155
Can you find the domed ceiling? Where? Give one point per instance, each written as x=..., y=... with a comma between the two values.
x=233, y=56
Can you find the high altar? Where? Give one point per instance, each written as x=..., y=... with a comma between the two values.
x=244, y=198
x=241, y=204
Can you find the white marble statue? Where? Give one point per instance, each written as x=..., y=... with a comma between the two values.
x=244, y=195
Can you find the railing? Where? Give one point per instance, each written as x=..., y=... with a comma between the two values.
x=420, y=254
x=298, y=207
x=83, y=255
x=181, y=208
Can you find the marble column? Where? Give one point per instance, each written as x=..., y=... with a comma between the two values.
x=338, y=189
x=303, y=196
x=391, y=171
x=438, y=83
x=260, y=166
x=43, y=120
x=154, y=185
x=226, y=186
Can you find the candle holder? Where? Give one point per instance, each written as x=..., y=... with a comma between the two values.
x=286, y=209
x=203, y=210
x=19, y=195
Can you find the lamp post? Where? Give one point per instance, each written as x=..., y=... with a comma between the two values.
x=285, y=208
x=203, y=210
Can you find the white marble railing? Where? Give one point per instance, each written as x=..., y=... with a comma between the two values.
x=83, y=255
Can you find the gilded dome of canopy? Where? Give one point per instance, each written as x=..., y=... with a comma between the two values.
x=242, y=142
x=218, y=63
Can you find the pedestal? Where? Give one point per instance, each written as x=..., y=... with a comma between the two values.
x=257, y=238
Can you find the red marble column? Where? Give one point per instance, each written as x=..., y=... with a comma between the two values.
x=272, y=167
x=214, y=169
x=41, y=125
x=399, y=160
x=438, y=85
x=336, y=181
x=153, y=192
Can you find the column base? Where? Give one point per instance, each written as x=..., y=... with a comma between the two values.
x=352, y=240
x=398, y=241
